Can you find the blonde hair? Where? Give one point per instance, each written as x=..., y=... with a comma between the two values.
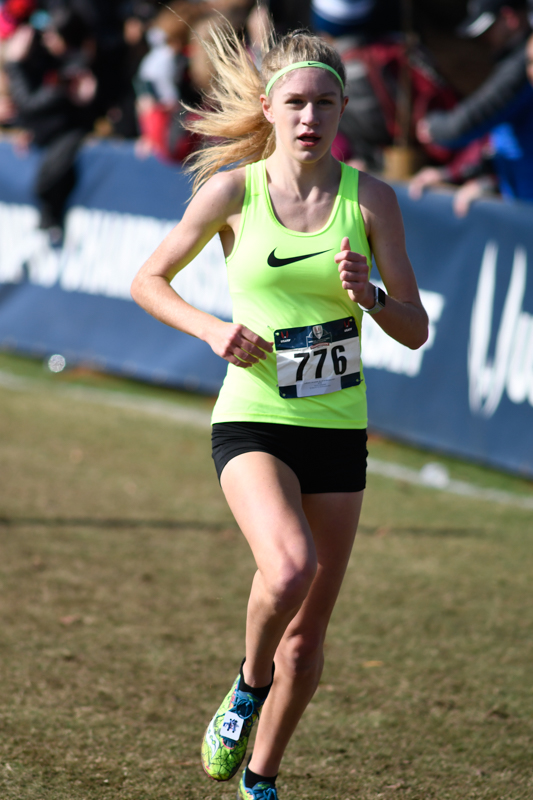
x=232, y=120
x=176, y=19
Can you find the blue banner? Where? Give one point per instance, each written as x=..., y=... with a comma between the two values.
x=76, y=300
x=468, y=391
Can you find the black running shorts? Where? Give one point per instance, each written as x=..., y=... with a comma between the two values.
x=323, y=459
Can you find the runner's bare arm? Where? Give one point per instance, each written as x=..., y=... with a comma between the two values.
x=214, y=209
x=403, y=317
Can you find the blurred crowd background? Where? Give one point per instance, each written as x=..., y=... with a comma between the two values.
x=439, y=89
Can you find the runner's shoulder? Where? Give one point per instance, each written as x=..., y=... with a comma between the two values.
x=225, y=191
x=375, y=194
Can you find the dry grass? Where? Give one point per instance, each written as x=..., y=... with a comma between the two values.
x=123, y=591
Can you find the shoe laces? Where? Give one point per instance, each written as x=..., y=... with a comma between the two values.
x=265, y=792
x=244, y=706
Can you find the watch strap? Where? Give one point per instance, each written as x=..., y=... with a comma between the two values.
x=380, y=299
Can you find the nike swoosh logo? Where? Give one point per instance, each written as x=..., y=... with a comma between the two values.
x=272, y=261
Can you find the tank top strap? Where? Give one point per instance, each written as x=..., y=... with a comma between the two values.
x=255, y=183
x=255, y=203
x=250, y=210
x=351, y=210
x=349, y=186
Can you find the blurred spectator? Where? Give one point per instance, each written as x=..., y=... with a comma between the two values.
x=363, y=130
x=234, y=11
x=122, y=114
x=473, y=172
x=474, y=189
x=368, y=19
x=176, y=72
x=289, y=16
x=13, y=13
x=341, y=18
x=55, y=92
x=160, y=79
x=503, y=106
x=111, y=64
x=377, y=65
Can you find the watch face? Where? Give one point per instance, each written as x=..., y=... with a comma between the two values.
x=381, y=297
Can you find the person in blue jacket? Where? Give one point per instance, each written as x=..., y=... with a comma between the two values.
x=503, y=104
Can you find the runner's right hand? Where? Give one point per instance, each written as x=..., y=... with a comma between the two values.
x=238, y=344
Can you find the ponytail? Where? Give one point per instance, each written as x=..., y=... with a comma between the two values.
x=233, y=114
x=233, y=118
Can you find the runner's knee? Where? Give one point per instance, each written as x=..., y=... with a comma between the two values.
x=290, y=584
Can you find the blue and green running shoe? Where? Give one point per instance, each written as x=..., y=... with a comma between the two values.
x=261, y=791
x=226, y=737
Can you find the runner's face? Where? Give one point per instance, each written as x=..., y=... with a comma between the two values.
x=305, y=108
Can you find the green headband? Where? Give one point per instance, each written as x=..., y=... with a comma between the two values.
x=300, y=65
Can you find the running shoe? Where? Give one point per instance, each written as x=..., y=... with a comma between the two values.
x=226, y=737
x=261, y=791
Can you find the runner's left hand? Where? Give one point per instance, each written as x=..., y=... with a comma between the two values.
x=353, y=271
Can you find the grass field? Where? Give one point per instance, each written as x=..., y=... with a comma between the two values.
x=123, y=590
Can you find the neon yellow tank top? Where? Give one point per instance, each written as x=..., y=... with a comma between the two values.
x=285, y=286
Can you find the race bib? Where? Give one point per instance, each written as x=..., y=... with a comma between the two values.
x=318, y=359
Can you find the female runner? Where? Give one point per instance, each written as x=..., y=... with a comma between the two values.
x=289, y=428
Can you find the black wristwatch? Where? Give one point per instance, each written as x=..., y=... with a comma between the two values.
x=379, y=301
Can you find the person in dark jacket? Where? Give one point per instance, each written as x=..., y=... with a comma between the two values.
x=503, y=105
x=54, y=90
